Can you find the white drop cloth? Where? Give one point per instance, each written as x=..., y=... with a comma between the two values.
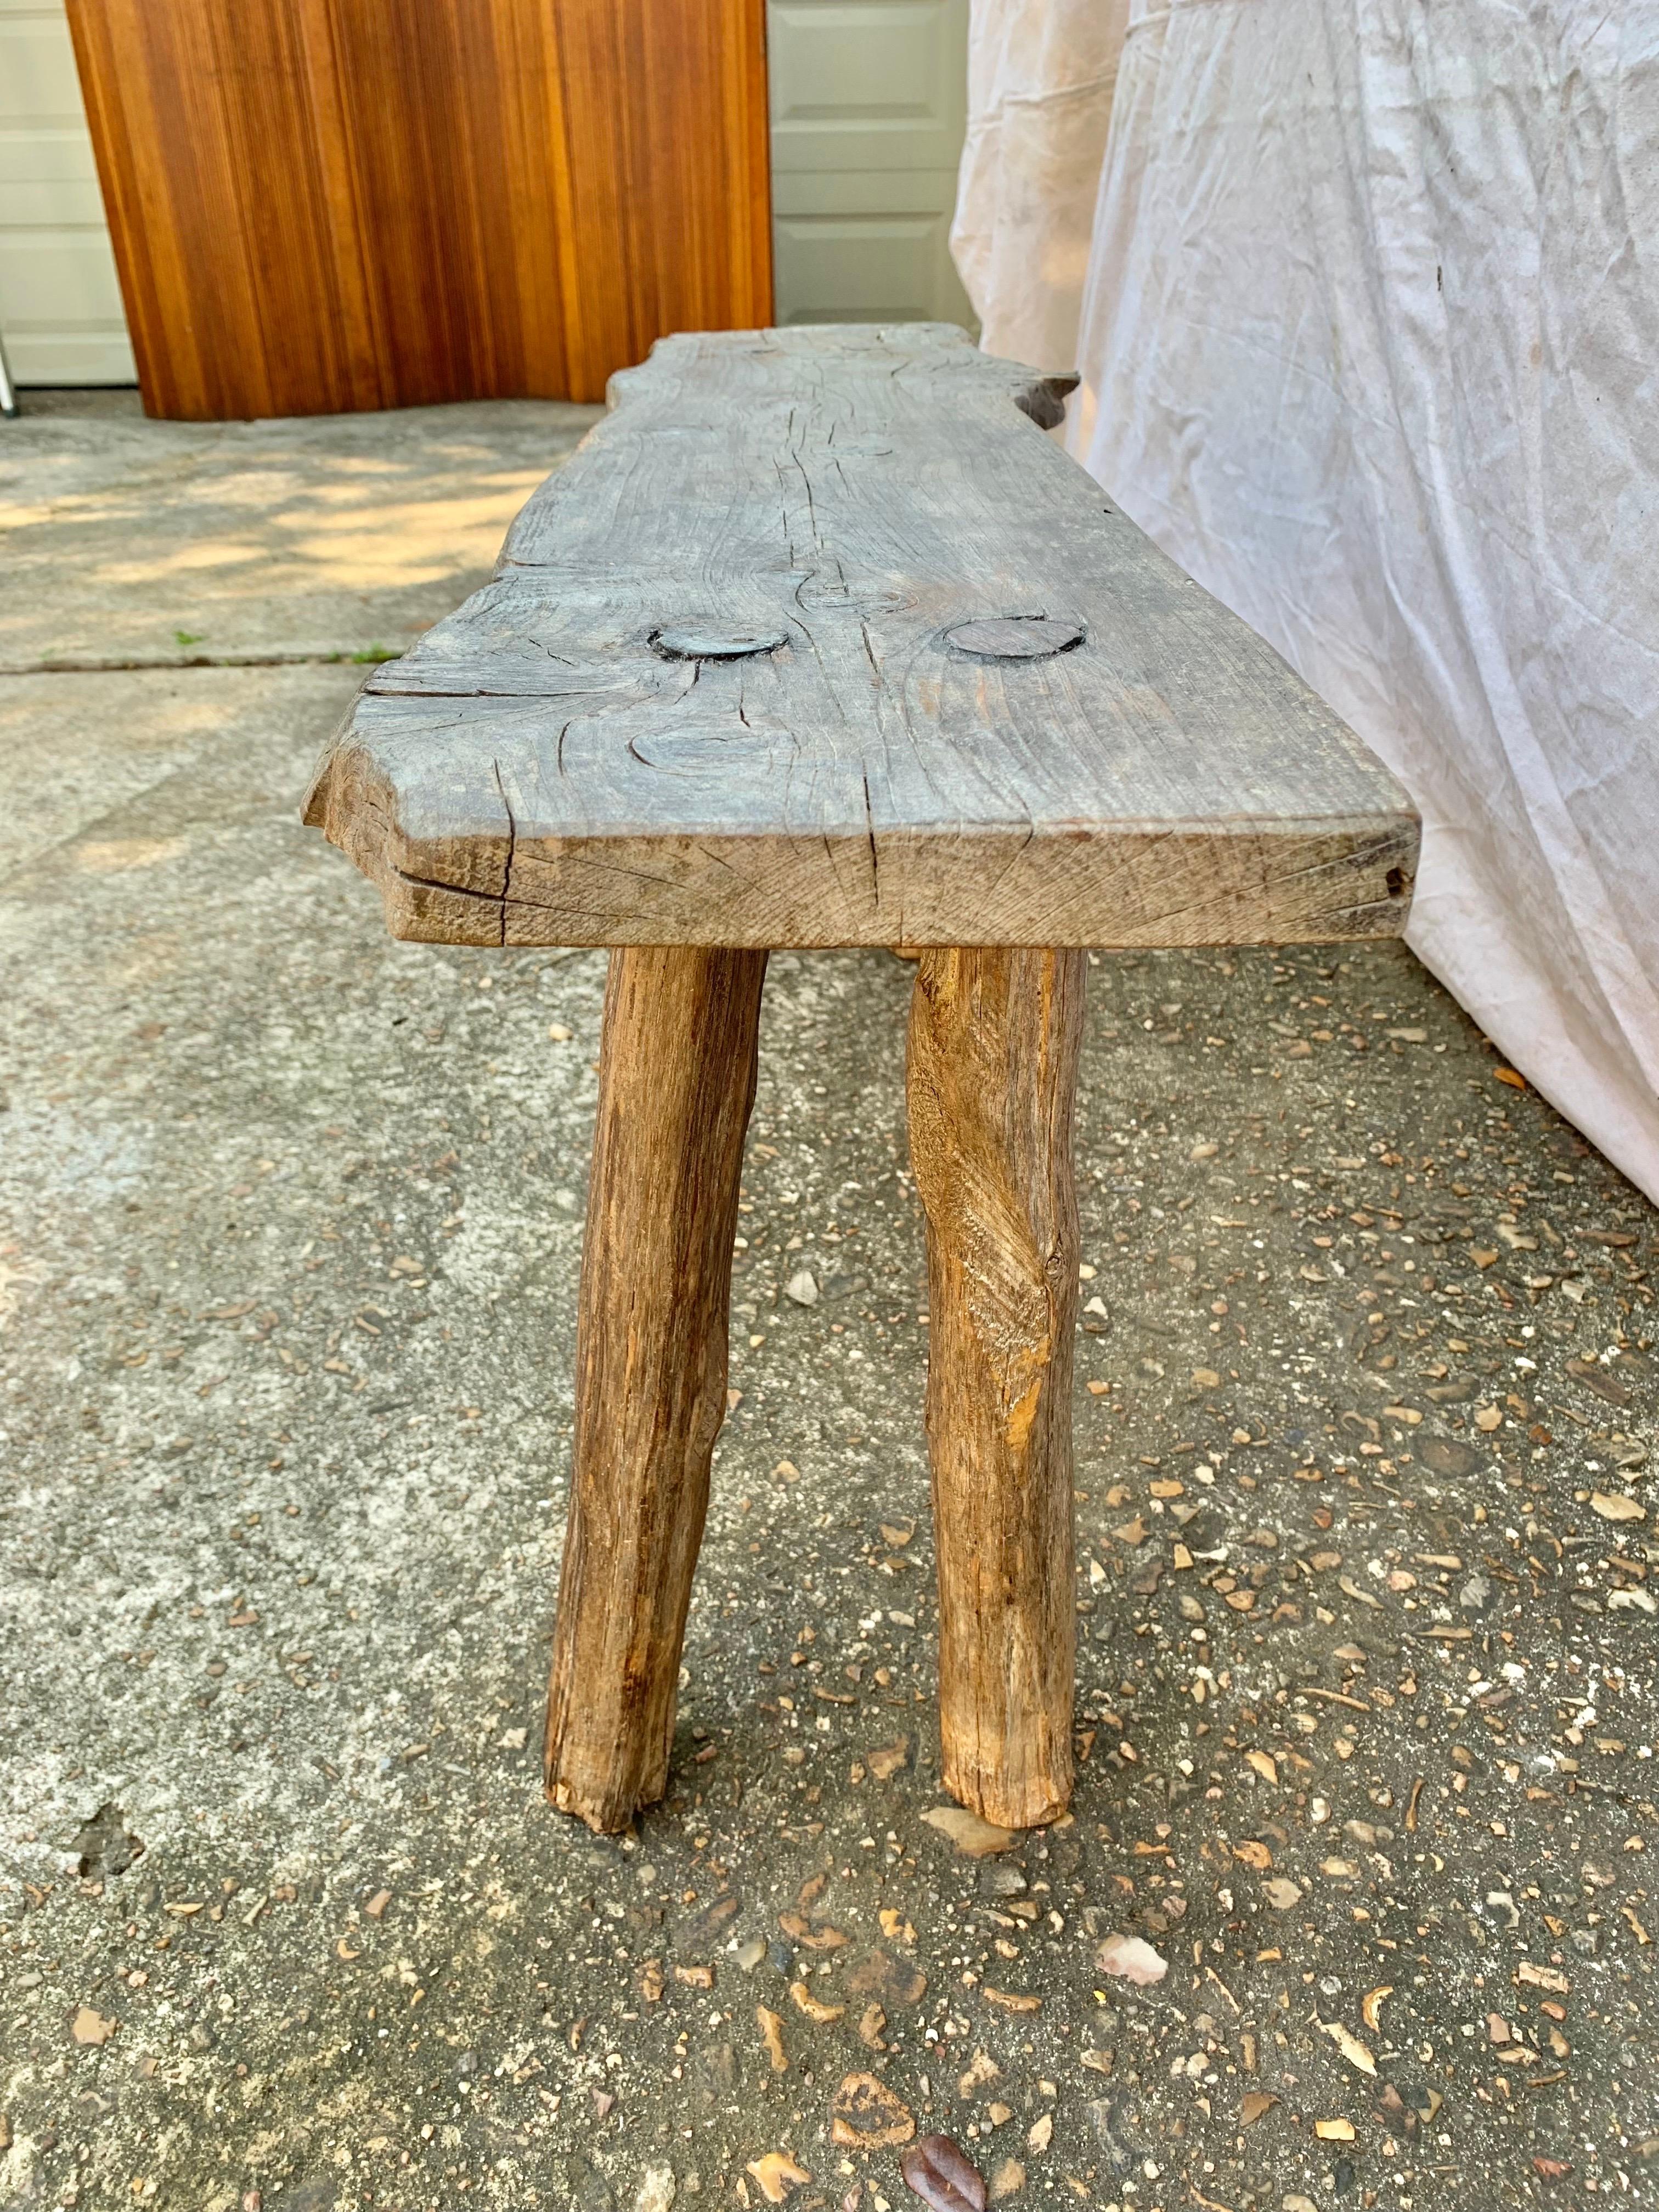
x=1370, y=345
x=1040, y=79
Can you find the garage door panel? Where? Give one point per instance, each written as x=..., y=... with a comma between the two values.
x=866, y=83
x=64, y=323
x=70, y=358
x=869, y=105
x=858, y=268
x=875, y=191
x=47, y=179
x=38, y=82
x=60, y=302
x=58, y=275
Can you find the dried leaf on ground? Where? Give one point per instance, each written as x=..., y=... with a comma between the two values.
x=1254, y=2104
x=1371, y=2005
x=940, y=2172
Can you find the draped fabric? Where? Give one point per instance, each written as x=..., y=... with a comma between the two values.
x=1370, y=345
x=1040, y=80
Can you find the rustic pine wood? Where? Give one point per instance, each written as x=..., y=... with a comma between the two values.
x=676, y=1084
x=326, y=204
x=992, y=1077
x=540, y=769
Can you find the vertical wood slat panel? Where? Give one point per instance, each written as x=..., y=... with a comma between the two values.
x=319, y=205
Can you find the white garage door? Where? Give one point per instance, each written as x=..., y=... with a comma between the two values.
x=869, y=103
x=60, y=306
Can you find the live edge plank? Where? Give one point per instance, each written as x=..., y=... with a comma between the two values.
x=541, y=769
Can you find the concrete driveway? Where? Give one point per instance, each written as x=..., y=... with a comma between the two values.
x=290, y=1218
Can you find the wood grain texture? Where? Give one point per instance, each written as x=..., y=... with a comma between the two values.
x=537, y=771
x=992, y=1076
x=319, y=205
x=676, y=1079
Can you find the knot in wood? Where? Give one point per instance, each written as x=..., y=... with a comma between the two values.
x=705, y=641
x=1015, y=637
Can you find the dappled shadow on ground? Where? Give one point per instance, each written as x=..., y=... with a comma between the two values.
x=128, y=540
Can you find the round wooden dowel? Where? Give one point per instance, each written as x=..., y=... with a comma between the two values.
x=676, y=1079
x=992, y=1076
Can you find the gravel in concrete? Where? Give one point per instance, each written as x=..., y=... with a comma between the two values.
x=290, y=1218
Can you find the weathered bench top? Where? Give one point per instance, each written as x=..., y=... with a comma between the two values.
x=818, y=640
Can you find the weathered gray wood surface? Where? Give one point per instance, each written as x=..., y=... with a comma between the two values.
x=712, y=697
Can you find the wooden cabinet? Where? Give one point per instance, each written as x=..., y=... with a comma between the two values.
x=319, y=205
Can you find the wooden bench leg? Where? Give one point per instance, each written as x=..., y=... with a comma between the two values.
x=677, y=1080
x=992, y=1076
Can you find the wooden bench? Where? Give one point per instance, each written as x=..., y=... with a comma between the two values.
x=819, y=641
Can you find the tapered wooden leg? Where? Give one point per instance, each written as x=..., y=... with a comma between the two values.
x=676, y=1079
x=992, y=1076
